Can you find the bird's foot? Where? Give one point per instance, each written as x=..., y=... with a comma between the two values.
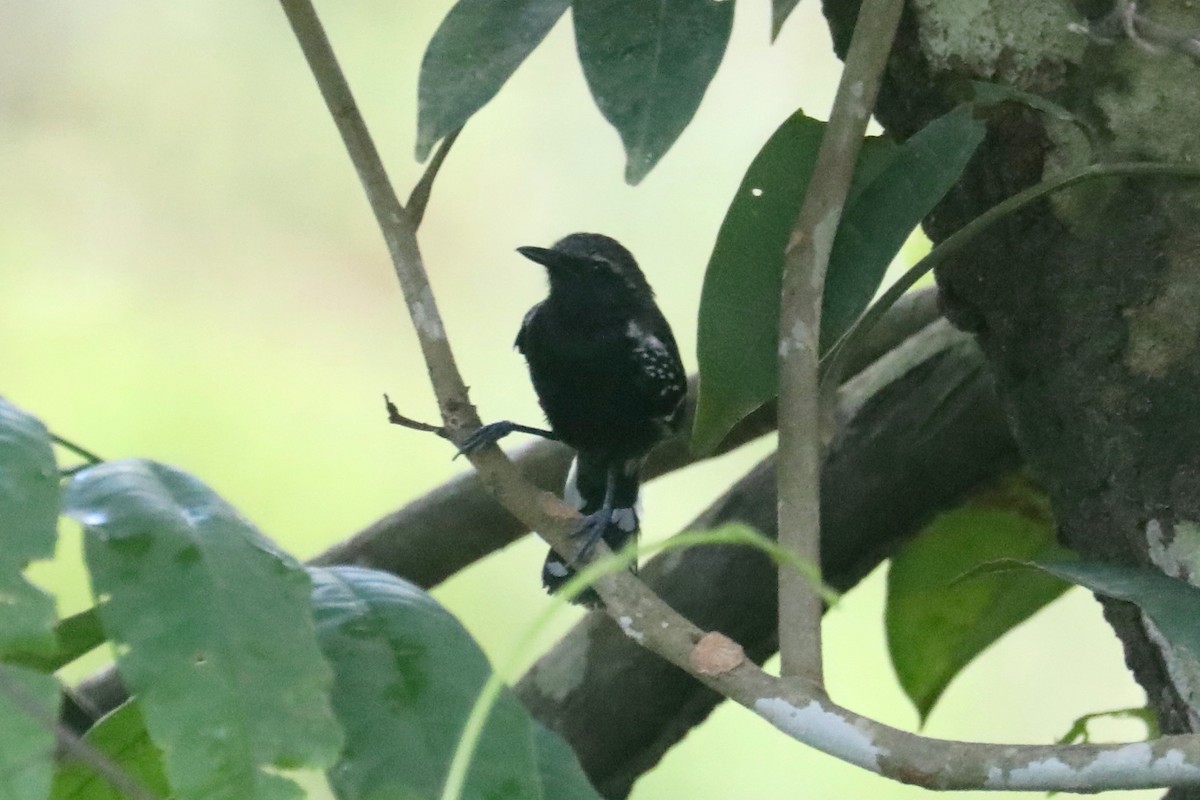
x=485, y=435
x=591, y=531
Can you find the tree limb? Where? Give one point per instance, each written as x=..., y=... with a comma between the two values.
x=805, y=262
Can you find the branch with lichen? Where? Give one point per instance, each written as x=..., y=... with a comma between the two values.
x=794, y=707
x=805, y=263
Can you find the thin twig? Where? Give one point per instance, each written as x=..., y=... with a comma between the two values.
x=419, y=199
x=399, y=230
x=396, y=418
x=87, y=455
x=806, y=260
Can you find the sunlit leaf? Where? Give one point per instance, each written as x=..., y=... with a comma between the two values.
x=407, y=675
x=475, y=50
x=28, y=711
x=648, y=66
x=936, y=623
x=214, y=631
x=28, y=516
x=121, y=736
x=893, y=189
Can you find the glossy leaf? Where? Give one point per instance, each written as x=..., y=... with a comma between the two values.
x=122, y=737
x=28, y=516
x=213, y=629
x=893, y=189
x=28, y=711
x=780, y=11
x=76, y=635
x=475, y=50
x=407, y=675
x=648, y=66
x=737, y=340
x=937, y=624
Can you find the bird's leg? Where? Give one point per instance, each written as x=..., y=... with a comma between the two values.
x=495, y=431
x=596, y=523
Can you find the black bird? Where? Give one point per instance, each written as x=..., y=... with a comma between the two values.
x=608, y=376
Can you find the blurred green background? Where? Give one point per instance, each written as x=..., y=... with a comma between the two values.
x=189, y=272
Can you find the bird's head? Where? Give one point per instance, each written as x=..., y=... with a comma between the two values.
x=590, y=267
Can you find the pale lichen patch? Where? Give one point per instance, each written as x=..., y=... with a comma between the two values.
x=626, y=623
x=825, y=730
x=1130, y=766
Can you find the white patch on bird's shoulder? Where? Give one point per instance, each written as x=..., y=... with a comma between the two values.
x=571, y=495
x=654, y=358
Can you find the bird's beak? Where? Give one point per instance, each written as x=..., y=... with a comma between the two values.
x=550, y=259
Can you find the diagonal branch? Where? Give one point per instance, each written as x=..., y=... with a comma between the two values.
x=806, y=260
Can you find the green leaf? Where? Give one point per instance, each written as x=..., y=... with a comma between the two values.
x=879, y=219
x=648, y=66
x=28, y=711
x=936, y=624
x=28, y=519
x=407, y=675
x=1171, y=604
x=77, y=635
x=213, y=629
x=780, y=11
x=122, y=737
x=893, y=189
x=475, y=50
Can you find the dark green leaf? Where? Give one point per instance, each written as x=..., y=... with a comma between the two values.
x=28, y=519
x=76, y=635
x=894, y=187
x=780, y=11
x=407, y=675
x=648, y=66
x=739, y=307
x=28, y=711
x=122, y=737
x=478, y=47
x=213, y=627
x=1173, y=605
x=880, y=218
x=936, y=624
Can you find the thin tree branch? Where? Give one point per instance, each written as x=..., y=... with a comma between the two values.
x=805, y=263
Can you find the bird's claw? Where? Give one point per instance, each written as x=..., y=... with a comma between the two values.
x=591, y=531
x=484, y=436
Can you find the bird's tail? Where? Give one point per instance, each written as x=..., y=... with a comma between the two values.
x=584, y=489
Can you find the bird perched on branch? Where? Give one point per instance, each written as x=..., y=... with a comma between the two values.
x=608, y=376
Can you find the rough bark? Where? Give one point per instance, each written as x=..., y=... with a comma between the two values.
x=1085, y=305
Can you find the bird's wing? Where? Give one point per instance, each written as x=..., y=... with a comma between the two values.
x=658, y=371
x=529, y=315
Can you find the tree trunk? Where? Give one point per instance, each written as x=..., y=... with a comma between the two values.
x=1085, y=305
